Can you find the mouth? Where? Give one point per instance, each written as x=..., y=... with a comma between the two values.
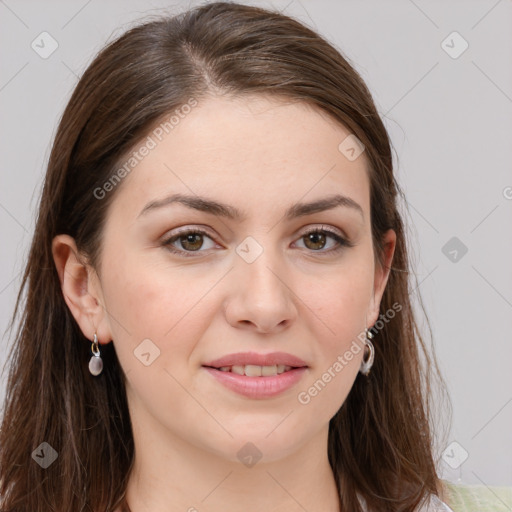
x=253, y=370
x=277, y=362
x=257, y=376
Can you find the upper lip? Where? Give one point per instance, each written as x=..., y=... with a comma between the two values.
x=245, y=358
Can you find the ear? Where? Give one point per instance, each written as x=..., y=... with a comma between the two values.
x=81, y=289
x=381, y=276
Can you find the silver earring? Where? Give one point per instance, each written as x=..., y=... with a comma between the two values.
x=367, y=363
x=95, y=363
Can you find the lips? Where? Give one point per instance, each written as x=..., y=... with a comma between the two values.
x=252, y=370
x=257, y=375
x=255, y=359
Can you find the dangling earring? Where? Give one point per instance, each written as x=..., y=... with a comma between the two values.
x=96, y=363
x=367, y=363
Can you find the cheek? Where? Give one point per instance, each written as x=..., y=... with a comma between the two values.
x=340, y=300
x=340, y=303
x=148, y=300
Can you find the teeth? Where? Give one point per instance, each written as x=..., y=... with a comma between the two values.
x=266, y=371
x=238, y=369
x=252, y=370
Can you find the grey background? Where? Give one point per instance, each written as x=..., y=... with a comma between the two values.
x=450, y=120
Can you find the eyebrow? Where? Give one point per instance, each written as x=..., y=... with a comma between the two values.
x=207, y=205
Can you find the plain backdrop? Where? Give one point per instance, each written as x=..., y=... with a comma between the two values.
x=441, y=76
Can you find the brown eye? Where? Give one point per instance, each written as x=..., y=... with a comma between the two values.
x=323, y=241
x=315, y=241
x=191, y=241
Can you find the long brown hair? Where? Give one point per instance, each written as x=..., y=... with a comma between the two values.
x=381, y=441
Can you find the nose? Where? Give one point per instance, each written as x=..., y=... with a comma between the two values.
x=260, y=298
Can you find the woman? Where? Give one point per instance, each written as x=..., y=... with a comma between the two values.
x=218, y=313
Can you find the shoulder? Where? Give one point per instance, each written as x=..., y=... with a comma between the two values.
x=468, y=498
x=465, y=498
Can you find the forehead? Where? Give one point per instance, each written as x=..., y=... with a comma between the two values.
x=244, y=150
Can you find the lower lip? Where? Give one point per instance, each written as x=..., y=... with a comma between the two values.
x=258, y=387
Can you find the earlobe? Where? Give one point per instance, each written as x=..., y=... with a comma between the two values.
x=82, y=295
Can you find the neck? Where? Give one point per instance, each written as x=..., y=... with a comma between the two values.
x=170, y=474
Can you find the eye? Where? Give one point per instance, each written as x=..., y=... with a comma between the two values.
x=318, y=239
x=189, y=240
x=194, y=240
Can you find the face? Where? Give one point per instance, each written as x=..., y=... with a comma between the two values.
x=240, y=244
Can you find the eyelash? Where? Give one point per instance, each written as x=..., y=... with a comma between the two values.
x=342, y=242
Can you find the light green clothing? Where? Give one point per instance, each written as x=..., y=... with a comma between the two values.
x=477, y=498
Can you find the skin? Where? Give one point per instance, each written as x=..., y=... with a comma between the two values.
x=259, y=155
